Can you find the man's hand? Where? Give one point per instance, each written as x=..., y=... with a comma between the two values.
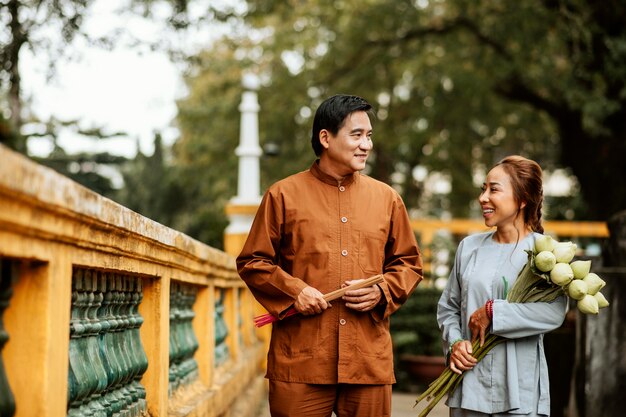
x=310, y=301
x=363, y=299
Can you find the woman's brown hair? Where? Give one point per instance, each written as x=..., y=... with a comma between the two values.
x=526, y=179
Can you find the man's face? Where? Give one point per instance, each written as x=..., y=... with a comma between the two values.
x=347, y=151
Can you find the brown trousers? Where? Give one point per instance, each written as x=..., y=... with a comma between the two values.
x=289, y=399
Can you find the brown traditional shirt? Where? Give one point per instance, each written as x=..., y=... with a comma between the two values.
x=311, y=230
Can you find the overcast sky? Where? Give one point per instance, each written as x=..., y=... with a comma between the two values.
x=126, y=89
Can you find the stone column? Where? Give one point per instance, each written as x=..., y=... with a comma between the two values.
x=600, y=368
x=243, y=206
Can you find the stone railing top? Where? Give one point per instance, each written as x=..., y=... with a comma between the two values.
x=22, y=180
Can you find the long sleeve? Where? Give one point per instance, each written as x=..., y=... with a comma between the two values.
x=515, y=320
x=402, y=269
x=449, y=312
x=258, y=262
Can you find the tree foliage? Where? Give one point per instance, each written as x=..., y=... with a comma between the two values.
x=457, y=85
x=48, y=28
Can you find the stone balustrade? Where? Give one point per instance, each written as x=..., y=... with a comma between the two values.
x=104, y=312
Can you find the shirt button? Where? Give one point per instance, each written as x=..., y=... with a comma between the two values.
x=344, y=252
x=342, y=322
x=344, y=220
x=342, y=188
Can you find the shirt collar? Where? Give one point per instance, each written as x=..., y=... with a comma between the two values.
x=324, y=177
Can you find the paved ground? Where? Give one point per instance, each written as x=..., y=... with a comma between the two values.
x=402, y=406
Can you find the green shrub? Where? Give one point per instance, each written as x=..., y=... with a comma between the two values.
x=414, y=328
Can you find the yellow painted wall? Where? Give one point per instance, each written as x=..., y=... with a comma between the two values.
x=49, y=225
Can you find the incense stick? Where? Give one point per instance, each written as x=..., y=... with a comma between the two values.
x=267, y=318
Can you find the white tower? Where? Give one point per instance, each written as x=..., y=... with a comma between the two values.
x=243, y=206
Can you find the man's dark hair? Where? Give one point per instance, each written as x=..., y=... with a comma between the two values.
x=332, y=113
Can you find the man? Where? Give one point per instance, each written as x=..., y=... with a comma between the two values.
x=315, y=232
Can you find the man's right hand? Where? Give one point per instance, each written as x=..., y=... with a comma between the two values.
x=310, y=301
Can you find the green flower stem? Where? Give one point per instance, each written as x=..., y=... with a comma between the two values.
x=451, y=382
x=434, y=386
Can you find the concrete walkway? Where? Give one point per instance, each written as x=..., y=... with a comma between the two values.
x=401, y=406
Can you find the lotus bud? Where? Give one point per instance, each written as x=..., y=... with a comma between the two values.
x=577, y=289
x=545, y=261
x=588, y=305
x=602, y=302
x=594, y=283
x=561, y=274
x=544, y=243
x=580, y=268
x=564, y=251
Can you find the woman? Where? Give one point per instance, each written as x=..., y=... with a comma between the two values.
x=513, y=378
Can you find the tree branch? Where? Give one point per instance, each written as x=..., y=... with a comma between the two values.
x=442, y=28
x=514, y=89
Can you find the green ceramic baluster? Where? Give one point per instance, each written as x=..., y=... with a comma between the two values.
x=93, y=340
x=174, y=344
x=221, y=331
x=239, y=316
x=191, y=341
x=7, y=402
x=128, y=348
x=121, y=350
x=114, y=343
x=79, y=381
x=140, y=354
x=105, y=316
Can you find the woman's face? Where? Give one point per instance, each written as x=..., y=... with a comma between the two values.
x=497, y=199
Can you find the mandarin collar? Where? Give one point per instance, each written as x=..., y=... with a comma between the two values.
x=324, y=177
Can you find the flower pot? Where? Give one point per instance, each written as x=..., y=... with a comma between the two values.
x=422, y=368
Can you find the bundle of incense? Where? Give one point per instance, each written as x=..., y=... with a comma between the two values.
x=263, y=319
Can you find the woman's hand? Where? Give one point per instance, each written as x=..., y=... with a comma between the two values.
x=479, y=322
x=461, y=358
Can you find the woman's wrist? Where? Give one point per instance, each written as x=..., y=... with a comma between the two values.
x=454, y=342
x=489, y=309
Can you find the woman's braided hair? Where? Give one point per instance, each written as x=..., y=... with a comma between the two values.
x=526, y=179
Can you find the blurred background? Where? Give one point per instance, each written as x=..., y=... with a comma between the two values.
x=139, y=101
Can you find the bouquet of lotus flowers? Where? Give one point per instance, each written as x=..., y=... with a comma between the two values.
x=548, y=274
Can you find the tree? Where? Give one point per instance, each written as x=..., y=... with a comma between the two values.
x=48, y=28
x=24, y=21
x=457, y=85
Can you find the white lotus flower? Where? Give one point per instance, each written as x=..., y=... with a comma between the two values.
x=588, y=305
x=561, y=274
x=577, y=289
x=580, y=268
x=564, y=251
x=545, y=261
x=594, y=282
x=602, y=302
x=544, y=243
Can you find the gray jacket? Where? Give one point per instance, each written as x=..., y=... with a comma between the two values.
x=511, y=376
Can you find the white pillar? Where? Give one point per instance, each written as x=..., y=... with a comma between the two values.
x=248, y=151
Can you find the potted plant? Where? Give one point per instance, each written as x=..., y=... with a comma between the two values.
x=417, y=339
